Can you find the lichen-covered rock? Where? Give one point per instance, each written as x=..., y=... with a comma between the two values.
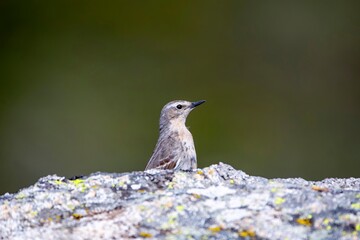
x=217, y=202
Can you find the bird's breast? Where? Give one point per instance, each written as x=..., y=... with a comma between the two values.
x=185, y=150
x=182, y=131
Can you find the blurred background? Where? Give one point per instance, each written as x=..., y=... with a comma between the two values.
x=83, y=83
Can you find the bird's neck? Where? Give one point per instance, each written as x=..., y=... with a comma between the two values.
x=173, y=125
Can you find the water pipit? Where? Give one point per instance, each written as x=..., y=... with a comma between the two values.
x=175, y=147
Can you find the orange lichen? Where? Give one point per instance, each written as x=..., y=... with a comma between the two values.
x=304, y=221
x=319, y=189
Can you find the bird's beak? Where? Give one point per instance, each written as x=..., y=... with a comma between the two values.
x=195, y=104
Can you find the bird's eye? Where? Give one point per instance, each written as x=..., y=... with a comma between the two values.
x=179, y=106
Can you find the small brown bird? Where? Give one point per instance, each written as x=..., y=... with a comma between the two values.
x=175, y=147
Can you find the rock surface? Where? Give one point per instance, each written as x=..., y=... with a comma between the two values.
x=217, y=202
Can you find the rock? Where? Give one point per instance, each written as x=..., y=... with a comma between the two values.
x=217, y=202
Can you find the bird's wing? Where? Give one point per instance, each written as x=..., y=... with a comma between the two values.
x=165, y=154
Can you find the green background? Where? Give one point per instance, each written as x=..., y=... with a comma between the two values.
x=83, y=83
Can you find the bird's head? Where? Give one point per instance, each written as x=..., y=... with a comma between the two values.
x=177, y=111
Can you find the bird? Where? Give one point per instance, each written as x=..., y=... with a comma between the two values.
x=175, y=146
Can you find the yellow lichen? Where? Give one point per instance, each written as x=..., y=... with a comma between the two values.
x=326, y=222
x=215, y=229
x=170, y=185
x=77, y=216
x=172, y=219
x=355, y=205
x=279, y=200
x=247, y=233
x=20, y=196
x=357, y=227
x=33, y=213
x=71, y=207
x=141, y=207
x=79, y=183
x=76, y=182
x=58, y=182
x=197, y=196
x=145, y=235
x=180, y=208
